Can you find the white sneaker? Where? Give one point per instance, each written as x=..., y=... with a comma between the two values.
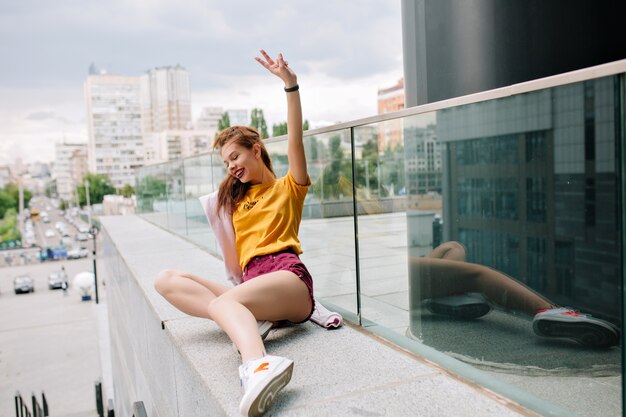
x=567, y=323
x=264, y=329
x=261, y=380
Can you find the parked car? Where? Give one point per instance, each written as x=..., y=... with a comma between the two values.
x=23, y=284
x=81, y=237
x=50, y=233
x=56, y=279
x=77, y=253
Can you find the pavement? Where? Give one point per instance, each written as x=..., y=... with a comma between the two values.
x=48, y=343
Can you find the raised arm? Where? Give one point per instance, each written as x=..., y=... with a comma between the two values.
x=295, y=147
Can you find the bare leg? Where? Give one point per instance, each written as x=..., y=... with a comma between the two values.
x=275, y=296
x=444, y=273
x=189, y=293
x=452, y=250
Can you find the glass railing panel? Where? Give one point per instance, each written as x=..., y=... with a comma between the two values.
x=327, y=228
x=528, y=220
x=176, y=213
x=199, y=182
x=381, y=194
x=152, y=202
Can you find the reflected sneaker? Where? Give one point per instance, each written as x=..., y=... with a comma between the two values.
x=583, y=328
x=261, y=380
x=264, y=329
x=464, y=306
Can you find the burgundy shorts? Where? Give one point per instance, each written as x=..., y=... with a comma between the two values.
x=286, y=260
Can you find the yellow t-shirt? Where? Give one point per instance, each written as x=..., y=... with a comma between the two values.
x=268, y=218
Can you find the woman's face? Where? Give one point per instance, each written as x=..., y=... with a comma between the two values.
x=241, y=162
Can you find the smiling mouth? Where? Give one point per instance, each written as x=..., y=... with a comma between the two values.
x=239, y=173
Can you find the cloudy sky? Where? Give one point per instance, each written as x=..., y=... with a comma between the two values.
x=342, y=51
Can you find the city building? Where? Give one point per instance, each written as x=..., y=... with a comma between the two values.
x=115, y=143
x=63, y=168
x=239, y=117
x=165, y=99
x=209, y=120
x=79, y=164
x=5, y=175
x=389, y=100
x=175, y=144
x=38, y=169
x=423, y=160
x=117, y=205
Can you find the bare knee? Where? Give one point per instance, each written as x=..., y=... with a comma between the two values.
x=165, y=281
x=451, y=250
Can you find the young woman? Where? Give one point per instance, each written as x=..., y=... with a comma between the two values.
x=266, y=214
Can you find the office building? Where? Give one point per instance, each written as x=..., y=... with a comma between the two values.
x=115, y=143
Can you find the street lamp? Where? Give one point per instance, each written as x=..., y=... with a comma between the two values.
x=94, y=232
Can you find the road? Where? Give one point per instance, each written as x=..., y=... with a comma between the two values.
x=49, y=342
x=29, y=256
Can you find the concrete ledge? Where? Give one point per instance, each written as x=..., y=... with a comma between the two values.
x=184, y=366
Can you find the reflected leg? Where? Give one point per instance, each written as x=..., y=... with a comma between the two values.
x=437, y=277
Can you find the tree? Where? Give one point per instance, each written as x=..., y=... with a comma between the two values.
x=8, y=226
x=127, y=190
x=335, y=181
x=10, y=198
x=149, y=189
x=224, y=122
x=280, y=129
x=7, y=202
x=99, y=186
x=257, y=120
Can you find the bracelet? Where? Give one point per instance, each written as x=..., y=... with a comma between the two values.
x=292, y=89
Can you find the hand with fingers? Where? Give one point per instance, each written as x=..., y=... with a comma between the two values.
x=278, y=67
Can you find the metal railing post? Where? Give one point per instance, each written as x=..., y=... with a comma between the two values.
x=44, y=403
x=99, y=405
x=110, y=408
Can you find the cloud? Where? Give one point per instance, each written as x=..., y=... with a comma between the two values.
x=40, y=115
x=342, y=51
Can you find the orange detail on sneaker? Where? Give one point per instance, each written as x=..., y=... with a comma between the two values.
x=262, y=367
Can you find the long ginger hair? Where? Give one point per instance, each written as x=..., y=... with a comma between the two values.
x=231, y=190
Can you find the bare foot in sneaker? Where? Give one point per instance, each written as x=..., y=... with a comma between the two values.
x=261, y=380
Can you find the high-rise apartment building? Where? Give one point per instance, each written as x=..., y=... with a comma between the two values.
x=115, y=144
x=389, y=100
x=165, y=99
x=63, y=168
